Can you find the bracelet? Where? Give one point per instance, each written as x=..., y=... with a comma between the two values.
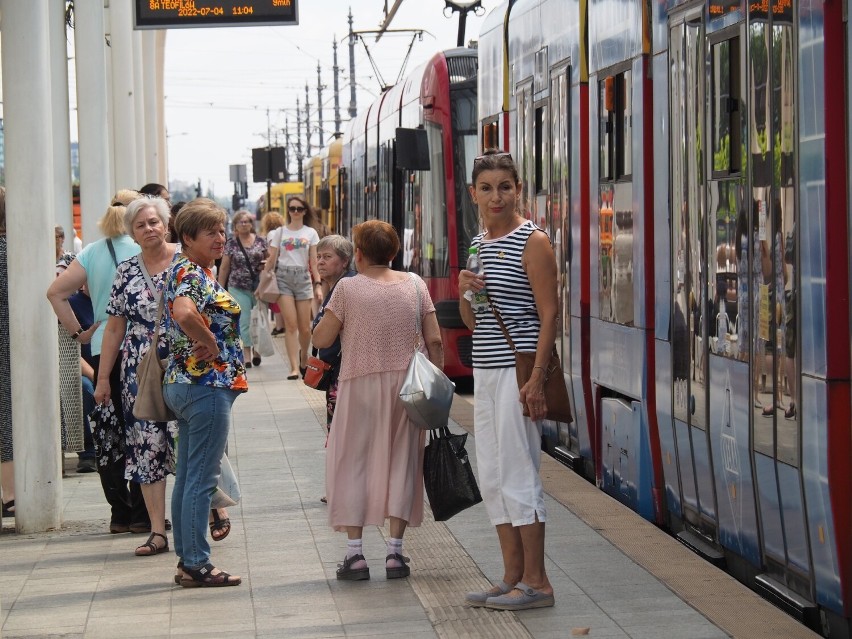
x=78, y=333
x=543, y=370
x=317, y=284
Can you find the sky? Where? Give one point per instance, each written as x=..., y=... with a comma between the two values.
x=220, y=82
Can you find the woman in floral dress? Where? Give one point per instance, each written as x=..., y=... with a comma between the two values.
x=136, y=291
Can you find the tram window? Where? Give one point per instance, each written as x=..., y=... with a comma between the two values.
x=541, y=145
x=606, y=133
x=725, y=105
x=490, y=136
x=616, y=126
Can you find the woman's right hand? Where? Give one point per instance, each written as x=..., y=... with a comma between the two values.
x=469, y=281
x=102, y=392
x=86, y=336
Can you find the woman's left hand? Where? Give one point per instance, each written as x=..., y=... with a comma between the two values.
x=532, y=396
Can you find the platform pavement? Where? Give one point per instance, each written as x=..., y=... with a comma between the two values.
x=81, y=581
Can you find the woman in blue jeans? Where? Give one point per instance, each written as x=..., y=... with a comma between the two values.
x=204, y=375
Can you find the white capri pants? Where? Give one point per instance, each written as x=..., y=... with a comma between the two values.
x=508, y=450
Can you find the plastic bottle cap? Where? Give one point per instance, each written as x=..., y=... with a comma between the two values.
x=473, y=250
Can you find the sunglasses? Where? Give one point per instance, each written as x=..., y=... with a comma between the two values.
x=296, y=209
x=495, y=156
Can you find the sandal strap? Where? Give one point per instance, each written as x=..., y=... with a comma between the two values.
x=398, y=557
x=348, y=561
x=205, y=574
x=154, y=547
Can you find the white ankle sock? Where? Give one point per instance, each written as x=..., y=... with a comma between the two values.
x=354, y=547
x=394, y=546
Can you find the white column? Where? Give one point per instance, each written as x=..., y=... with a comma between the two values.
x=139, y=107
x=32, y=324
x=123, y=99
x=150, y=110
x=92, y=115
x=62, y=211
x=162, y=141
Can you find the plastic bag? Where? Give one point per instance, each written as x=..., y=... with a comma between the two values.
x=261, y=338
x=228, y=490
x=447, y=475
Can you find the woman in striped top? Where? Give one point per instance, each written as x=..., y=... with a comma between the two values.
x=520, y=280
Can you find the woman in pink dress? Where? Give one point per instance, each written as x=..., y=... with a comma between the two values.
x=374, y=464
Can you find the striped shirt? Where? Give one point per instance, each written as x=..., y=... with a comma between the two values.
x=509, y=290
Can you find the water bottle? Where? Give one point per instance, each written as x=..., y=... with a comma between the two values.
x=478, y=301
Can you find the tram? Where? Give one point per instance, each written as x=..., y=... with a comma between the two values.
x=689, y=160
x=322, y=183
x=406, y=159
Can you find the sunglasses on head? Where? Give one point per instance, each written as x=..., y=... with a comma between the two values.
x=487, y=156
x=296, y=209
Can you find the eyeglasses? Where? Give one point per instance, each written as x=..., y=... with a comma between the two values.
x=487, y=156
x=296, y=209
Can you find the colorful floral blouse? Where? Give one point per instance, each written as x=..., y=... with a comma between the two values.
x=221, y=313
x=240, y=276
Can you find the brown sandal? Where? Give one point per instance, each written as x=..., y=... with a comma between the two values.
x=149, y=548
x=204, y=578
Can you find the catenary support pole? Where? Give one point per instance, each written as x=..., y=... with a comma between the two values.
x=33, y=345
x=150, y=113
x=62, y=211
x=139, y=100
x=92, y=115
x=123, y=101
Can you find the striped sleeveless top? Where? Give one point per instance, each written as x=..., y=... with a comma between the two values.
x=509, y=289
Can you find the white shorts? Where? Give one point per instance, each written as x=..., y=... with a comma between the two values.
x=508, y=450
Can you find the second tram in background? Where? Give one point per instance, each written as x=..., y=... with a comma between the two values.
x=689, y=160
x=406, y=159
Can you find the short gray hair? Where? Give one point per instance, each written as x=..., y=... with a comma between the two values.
x=136, y=207
x=339, y=245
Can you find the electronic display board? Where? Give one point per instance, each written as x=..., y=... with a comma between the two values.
x=171, y=14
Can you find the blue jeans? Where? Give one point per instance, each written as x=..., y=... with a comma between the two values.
x=204, y=418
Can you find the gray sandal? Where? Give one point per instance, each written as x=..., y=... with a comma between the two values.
x=530, y=598
x=477, y=599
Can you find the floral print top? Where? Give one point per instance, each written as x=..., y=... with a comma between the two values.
x=240, y=276
x=221, y=313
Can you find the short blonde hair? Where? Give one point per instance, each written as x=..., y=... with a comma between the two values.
x=201, y=214
x=112, y=222
x=270, y=222
x=137, y=206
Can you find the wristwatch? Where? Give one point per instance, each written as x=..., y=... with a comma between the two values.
x=79, y=332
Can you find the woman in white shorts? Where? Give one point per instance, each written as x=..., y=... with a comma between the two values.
x=293, y=255
x=519, y=277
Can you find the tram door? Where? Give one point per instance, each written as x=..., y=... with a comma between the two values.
x=690, y=321
x=777, y=434
x=560, y=224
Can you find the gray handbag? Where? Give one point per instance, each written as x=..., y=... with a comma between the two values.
x=426, y=392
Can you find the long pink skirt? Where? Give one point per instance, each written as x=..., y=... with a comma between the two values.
x=374, y=462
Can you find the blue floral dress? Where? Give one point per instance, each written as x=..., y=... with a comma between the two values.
x=149, y=446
